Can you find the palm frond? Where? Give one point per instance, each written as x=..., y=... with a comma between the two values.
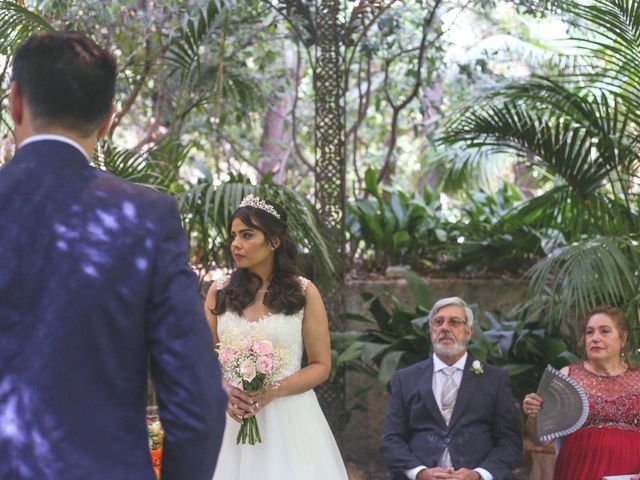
x=208, y=208
x=185, y=50
x=197, y=59
x=463, y=169
x=563, y=210
x=235, y=87
x=588, y=273
x=157, y=167
x=614, y=28
x=558, y=144
x=505, y=47
x=17, y=24
x=615, y=20
x=582, y=136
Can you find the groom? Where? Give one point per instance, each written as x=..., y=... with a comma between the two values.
x=95, y=289
x=451, y=417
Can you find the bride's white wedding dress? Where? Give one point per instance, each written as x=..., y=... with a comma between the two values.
x=297, y=442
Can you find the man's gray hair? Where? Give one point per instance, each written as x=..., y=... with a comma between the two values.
x=458, y=302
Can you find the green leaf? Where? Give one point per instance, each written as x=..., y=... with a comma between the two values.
x=515, y=370
x=17, y=24
x=358, y=318
x=441, y=234
x=388, y=366
x=371, y=183
x=375, y=306
x=353, y=352
x=419, y=290
x=401, y=238
x=372, y=350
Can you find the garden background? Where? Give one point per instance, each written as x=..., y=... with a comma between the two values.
x=421, y=147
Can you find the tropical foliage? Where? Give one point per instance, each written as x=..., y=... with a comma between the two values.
x=215, y=93
x=176, y=72
x=394, y=339
x=388, y=226
x=580, y=129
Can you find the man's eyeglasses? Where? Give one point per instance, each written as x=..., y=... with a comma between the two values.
x=452, y=322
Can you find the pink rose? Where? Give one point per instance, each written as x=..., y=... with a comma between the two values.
x=264, y=347
x=247, y=370
x=265, y=365
x=226, y=355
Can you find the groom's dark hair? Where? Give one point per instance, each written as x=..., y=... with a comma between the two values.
x=66, y=79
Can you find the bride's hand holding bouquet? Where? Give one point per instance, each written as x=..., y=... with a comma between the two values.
x=250, y=366
x=239, y=405
x=262, y=398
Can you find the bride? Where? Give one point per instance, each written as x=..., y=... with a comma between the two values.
x=265, y=299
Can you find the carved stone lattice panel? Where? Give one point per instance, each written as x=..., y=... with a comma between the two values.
x=330, y=173
x=330, y=142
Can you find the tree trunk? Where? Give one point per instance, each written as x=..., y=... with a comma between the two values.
x=431, y=107
x=277, y=136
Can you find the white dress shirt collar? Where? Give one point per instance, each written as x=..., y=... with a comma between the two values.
x=439, y=364
x=57, y=138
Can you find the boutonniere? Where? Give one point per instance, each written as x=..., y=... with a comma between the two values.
x=477, y=367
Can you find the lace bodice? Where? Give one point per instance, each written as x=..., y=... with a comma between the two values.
x=614, y=401
x=280, y=329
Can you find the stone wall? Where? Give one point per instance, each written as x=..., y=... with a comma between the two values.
x=360, y=441
x=489, y=294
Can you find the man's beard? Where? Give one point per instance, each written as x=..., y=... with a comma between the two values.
x=453, y=350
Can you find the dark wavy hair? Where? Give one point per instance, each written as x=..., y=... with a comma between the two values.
x=284, y=294
x=620, y=321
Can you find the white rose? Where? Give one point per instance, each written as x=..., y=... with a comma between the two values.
x=248, y=371
x=476, y=366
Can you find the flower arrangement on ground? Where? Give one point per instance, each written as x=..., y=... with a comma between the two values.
x=156, y=437
x=252, y=365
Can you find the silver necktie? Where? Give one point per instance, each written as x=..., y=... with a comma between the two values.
x=449, y=393
x=447, y=402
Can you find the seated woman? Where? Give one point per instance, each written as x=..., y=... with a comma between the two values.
x=609, y=441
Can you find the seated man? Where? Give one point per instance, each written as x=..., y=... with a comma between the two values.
x=450, y=416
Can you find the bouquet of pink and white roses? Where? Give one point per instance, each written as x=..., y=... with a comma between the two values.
x=252, y=365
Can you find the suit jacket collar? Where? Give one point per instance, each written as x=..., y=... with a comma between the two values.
x=50, y=154
x=425, y=387
x=54, y=138
x=468, y=386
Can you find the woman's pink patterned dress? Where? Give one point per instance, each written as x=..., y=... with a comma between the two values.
x=609, y=441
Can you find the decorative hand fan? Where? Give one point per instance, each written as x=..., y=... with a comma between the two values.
x=565, y=405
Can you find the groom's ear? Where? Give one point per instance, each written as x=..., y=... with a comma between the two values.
x=16, y=104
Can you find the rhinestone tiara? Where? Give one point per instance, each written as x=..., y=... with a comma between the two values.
x=252, y=201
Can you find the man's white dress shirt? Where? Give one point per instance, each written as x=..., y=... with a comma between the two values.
x=57, y=138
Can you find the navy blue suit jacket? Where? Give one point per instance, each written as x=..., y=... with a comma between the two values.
x=94, y=288
x=483, y=431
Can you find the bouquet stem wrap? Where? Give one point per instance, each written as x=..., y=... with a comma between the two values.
x=249, y=432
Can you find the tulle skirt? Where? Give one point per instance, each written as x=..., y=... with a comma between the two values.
x=297, y=443
x=592, y=453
